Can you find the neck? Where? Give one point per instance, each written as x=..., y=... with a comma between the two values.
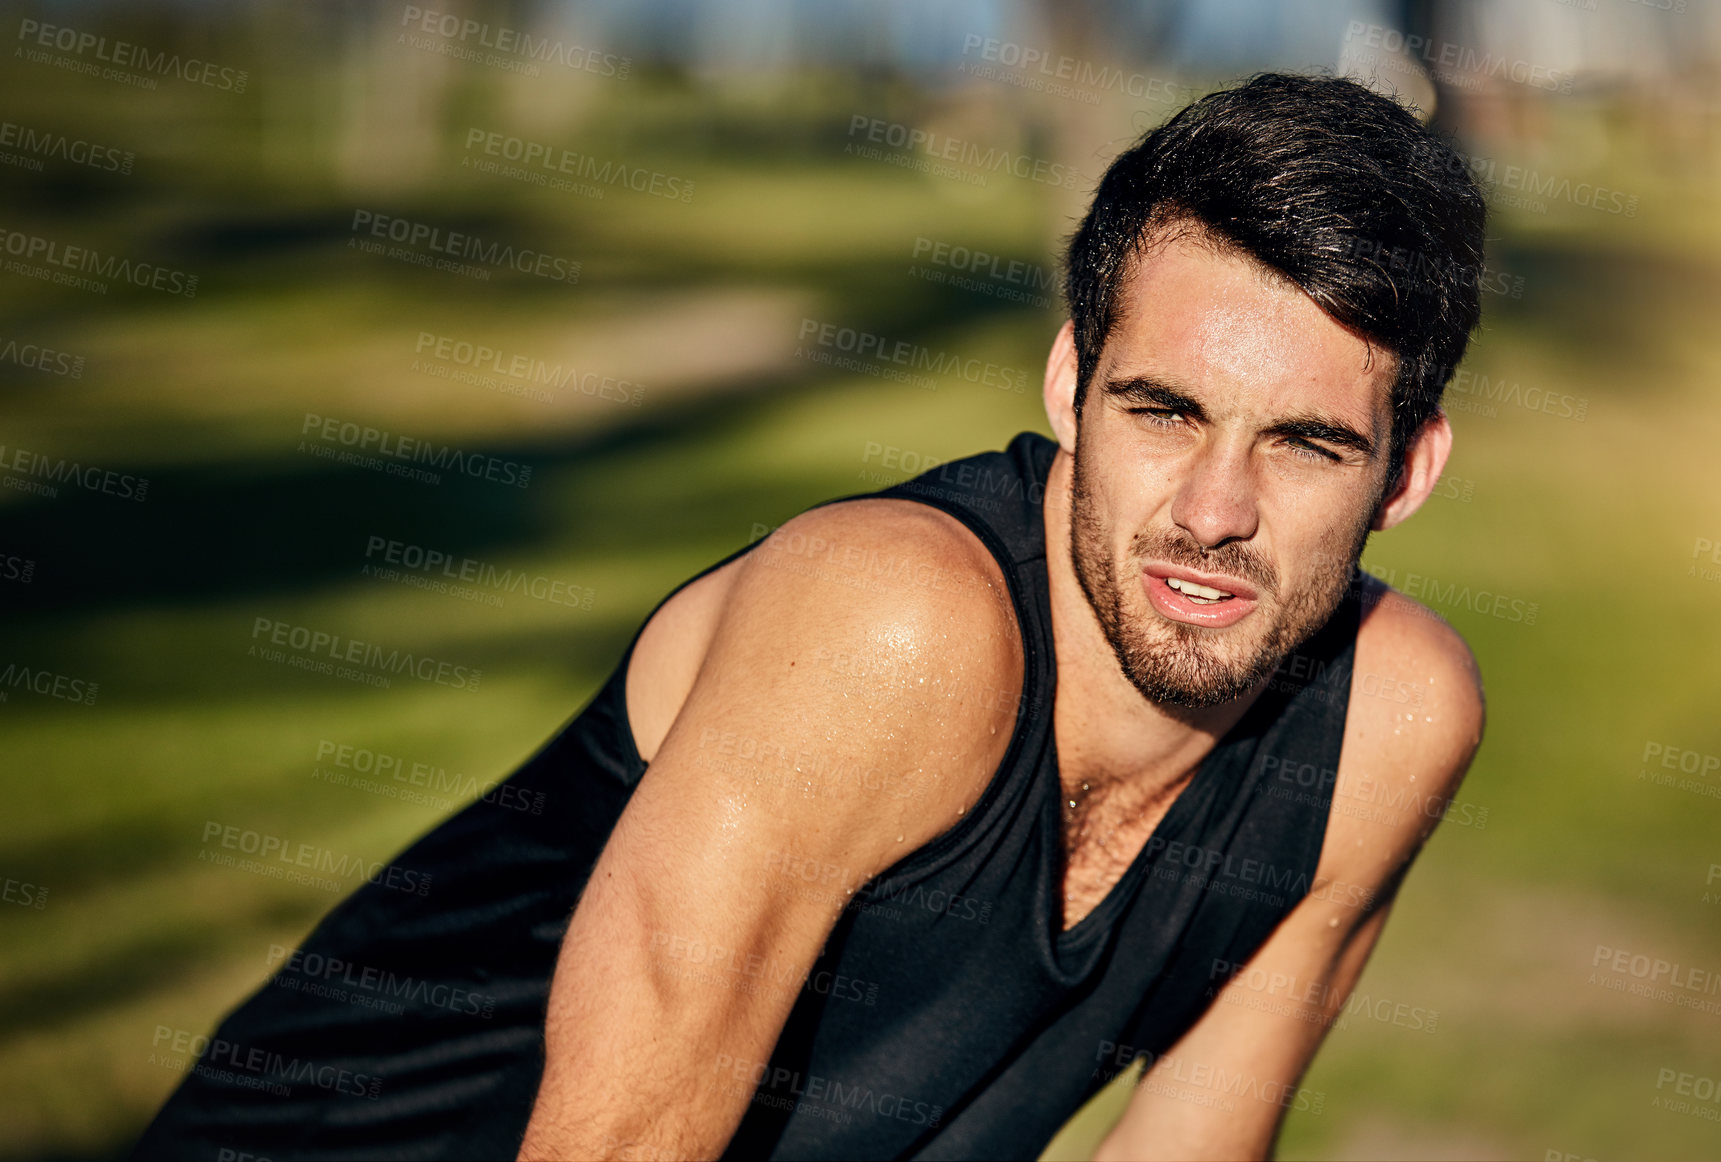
x=1109, y=736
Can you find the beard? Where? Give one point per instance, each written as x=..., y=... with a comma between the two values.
x=1188, y=666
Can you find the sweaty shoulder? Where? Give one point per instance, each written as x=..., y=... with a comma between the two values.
x=1414, y=721
x=871, y=633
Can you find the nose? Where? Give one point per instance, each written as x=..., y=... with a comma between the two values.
x=1216, y=502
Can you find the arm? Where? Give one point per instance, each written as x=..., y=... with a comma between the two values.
x=1251, y=1047
x=681, y=964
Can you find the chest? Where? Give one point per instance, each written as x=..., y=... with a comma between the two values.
x=1103, y=835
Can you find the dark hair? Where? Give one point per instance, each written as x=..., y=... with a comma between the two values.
x=1340, y=190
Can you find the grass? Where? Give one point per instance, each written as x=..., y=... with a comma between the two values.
x=702, y=302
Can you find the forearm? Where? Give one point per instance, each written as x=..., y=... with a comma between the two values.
x=652, y=1101
x=1180, y=1125
x=642, y=1032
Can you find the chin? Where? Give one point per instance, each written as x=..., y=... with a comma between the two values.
x=1183, y=666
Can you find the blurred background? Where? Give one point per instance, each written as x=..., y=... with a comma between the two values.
x=467, y=330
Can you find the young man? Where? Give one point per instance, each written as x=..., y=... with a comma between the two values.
x=900, y=832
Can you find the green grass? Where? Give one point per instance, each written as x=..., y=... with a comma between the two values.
x=1593, y=521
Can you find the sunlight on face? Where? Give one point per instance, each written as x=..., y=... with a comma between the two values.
x=1232, y=448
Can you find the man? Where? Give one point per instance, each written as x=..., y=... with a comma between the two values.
x=903, y=830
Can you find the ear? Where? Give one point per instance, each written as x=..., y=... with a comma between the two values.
x=1424, y=461
x=1060, y=387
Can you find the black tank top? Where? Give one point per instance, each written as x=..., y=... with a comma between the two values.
x=948, y=1016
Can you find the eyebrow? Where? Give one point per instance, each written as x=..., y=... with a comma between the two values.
x=1309, y=427
x=1151, y=392
x=1144, y=389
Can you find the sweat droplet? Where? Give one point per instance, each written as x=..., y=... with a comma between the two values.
x=1333, y=923
x=899, y=839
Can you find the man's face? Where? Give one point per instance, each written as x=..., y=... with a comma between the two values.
x=1231, y=451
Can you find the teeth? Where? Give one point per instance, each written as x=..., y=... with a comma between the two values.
x=1202, y=593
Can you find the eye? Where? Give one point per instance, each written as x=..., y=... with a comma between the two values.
x=1308, y=451
x=1159, y=417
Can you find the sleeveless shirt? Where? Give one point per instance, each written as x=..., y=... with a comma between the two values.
x=948, y=1016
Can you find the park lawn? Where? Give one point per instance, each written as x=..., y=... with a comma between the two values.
x=1594, y=521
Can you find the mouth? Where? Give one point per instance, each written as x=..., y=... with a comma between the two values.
x=1195, y=598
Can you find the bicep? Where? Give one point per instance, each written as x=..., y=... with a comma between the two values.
x=698, y=925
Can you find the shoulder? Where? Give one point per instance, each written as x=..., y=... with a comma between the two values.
x=893, y=573
x=864, y=615
x=1413, y=668
x=886, y=552
x=1414, y=722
